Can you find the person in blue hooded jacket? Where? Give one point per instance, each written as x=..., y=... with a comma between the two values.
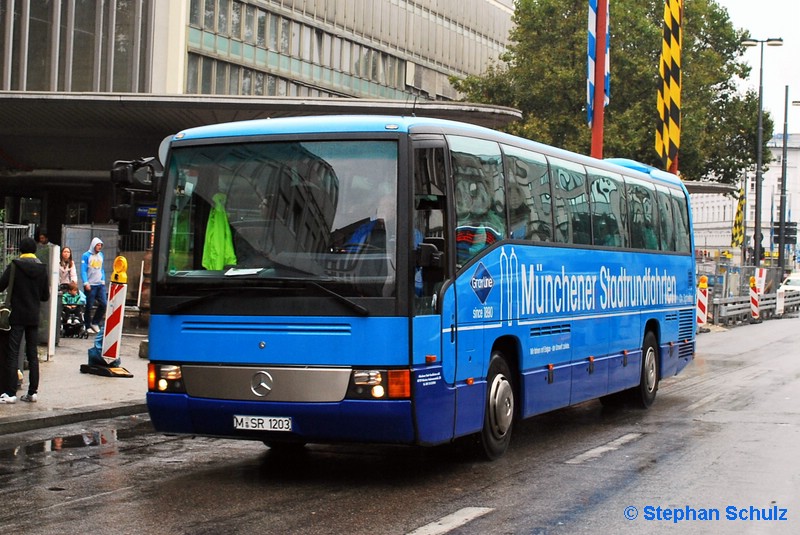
x=94, y=284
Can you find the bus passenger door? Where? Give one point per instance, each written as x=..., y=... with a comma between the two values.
x=433, y=301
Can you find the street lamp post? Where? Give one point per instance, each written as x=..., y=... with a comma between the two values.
x=782, y=218
x=772, y=41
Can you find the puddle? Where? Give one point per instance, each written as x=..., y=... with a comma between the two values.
x=96, y=436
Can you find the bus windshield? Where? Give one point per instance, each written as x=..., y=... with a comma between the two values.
x=323, y=211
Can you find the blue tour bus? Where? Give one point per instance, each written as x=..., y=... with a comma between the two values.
x=407, y=280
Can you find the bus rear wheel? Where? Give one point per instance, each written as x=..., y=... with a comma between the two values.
x=498, y=418
x=645, y=394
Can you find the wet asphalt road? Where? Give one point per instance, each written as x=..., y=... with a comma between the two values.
x=723, y=436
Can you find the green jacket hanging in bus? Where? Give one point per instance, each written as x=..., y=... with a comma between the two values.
x=218, y=248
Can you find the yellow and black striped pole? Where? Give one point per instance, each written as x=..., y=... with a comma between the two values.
x=668, y=131
x=737, y=235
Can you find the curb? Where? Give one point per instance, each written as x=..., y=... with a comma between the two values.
x=29, y=422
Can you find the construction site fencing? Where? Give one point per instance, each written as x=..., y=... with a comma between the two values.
x=729, y=292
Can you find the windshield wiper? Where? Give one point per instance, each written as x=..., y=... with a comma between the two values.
x=263, y=263
x=362, y=311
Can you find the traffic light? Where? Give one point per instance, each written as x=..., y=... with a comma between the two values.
x=789, y=234
x=123, y=214
x=790, y=237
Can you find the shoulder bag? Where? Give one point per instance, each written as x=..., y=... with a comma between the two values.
x=5, y=308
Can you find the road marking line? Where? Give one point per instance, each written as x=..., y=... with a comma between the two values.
x=594, y=453
x=451, y=522
x=708, y=399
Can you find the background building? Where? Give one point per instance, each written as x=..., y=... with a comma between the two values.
x=86, y=82
x=714, y=214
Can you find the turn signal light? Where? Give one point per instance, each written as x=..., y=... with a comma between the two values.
x=164, y=378
x=399, y=385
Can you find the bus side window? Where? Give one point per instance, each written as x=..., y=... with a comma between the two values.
x=480, y=195
x=607, y=196
x=573, y=218
x=681, y=212
x=643, y=212
x=667, y=220
x=528, y=195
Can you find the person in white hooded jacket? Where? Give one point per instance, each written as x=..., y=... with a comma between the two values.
x=94, y=283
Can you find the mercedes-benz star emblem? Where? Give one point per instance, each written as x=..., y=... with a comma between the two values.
x=261, y=384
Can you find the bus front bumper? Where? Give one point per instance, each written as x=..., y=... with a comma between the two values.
x=344, y=421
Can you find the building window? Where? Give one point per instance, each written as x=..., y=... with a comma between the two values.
x=233, y=83
x=236, y=20
x=209, y=15
x=222, y=75
x=195, y=8
x=206, y=76
x=77, y=213
x=272, y=34
x=250, y=25
x=30, y=211
x=261, y=29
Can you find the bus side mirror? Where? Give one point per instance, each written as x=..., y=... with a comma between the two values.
x=429, y=202
x=137, y=175
x=429, y=256
x=122, y=174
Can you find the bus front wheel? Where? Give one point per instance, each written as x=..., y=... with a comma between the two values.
x=645, y=394
x=498, y=418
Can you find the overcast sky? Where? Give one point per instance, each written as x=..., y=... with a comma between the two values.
x=765, y=19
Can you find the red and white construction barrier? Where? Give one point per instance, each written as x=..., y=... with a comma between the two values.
x=115, y=311
x=702, y=302
x=754, y=297
x=780, y=302
x=761, y=280
x=702, y=307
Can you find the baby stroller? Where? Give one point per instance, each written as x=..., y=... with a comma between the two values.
x=72, y=322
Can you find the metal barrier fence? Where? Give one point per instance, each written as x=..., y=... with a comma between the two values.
x=732, y=310
x=10, y=236
x=729, y=280
x=729, y=292
x=137, y=240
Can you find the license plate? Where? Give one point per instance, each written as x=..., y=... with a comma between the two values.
x=262, y=423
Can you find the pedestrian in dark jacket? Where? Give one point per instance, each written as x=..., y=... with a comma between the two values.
x=30, y=289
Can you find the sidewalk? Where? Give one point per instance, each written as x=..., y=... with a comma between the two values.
x=67, y=396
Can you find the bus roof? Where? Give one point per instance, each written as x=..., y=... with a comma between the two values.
x=350, y=124
x=646, y=169
x=327, y=124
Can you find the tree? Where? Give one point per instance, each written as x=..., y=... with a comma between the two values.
x=543, y=74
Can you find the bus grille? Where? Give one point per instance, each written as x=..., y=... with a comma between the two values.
x=262, y=328
x=686, y=325
x=546, y=330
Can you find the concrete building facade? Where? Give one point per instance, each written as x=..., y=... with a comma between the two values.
x=217, y=54
x=714, y=214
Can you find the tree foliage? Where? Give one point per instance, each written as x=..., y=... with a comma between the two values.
x=543, y=74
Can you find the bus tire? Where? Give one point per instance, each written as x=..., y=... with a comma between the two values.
x=498, y=417
x=645, y=394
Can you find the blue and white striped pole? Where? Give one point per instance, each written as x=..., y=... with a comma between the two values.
x=591, y=59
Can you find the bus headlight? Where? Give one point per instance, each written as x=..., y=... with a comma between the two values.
x=164, y=378
x=367, y=377
x=380, y=384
